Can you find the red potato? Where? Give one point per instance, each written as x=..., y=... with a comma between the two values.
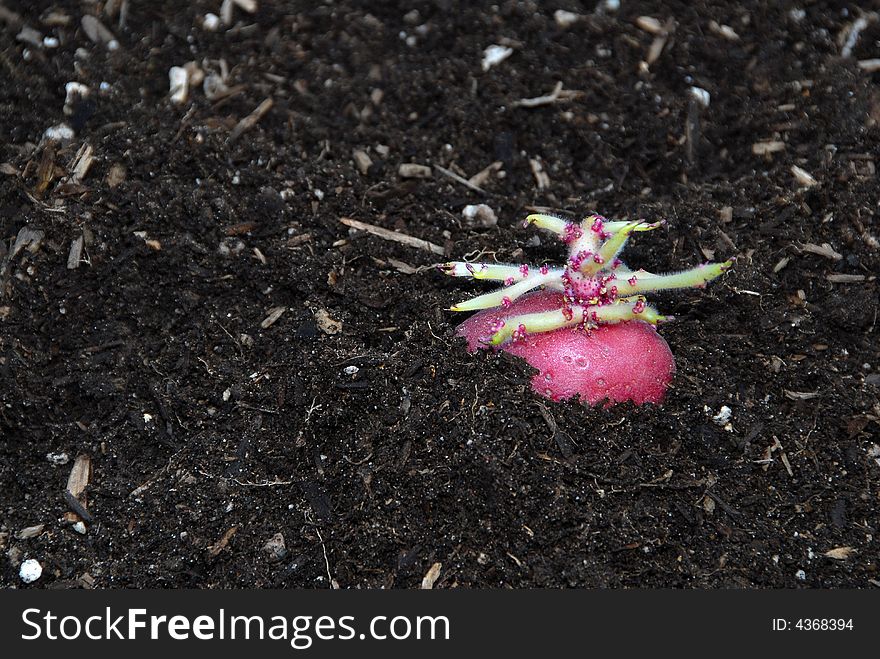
x=588, y=329
x=613, y=362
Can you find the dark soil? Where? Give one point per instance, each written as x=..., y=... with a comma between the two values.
x=209, y=433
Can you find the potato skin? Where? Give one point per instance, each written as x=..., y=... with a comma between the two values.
x=614, y=362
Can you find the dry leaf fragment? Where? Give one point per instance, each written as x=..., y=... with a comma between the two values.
x=326, y=324
x=840, y=553
x=431, y=576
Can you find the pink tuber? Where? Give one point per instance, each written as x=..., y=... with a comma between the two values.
x=589, y=331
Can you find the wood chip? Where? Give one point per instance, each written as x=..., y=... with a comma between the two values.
x=30, y=532
x=870, y=65
x=845, y=279
x=781, y=264
x=656, y=49
x=362, y=161
x=801, y=395
x=28, y=238
x=74, y=493
x=767, y=147
x=431, y=576
x=412, y=170
x=81, y=163
x=215, y=549
x=80, y=475
x=274, y=314
x=8, y=169
x=396, y=236
x=541, y=177
x=724, y=31
x=649, y=24
x=822, y=250
x=803, y=177
x=296, y=241
x=840, y=553
x=240, y=229
x=403, y=267
x=251, y=120
x=74, y=257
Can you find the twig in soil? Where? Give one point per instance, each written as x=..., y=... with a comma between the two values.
x=396, y=236
x=661, y=32
x=330, y=579
x=483, y=175
x=845, y=279
x=850, y=35
x=116, y=343
x=232, y=338
x=272, y=483
x=558, y=95
x=869, y=65
x=357, y=463
x=542, y=180
x=251, y=120
x=458, y=179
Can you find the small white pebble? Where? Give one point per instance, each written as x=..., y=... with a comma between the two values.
x=480, y=215
x=211, y=22
x=74, y=91
x=30, y=570
x=495, y=55
x=59, y=132
x=50, y=42
x=800, y=575
x=319, y=194
x=723, y=415
x=58, y=458
x=701, y=96
x=565, y=19
x=350, y=370
x=227, y=394
x=80, y=528
x=178, y=83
